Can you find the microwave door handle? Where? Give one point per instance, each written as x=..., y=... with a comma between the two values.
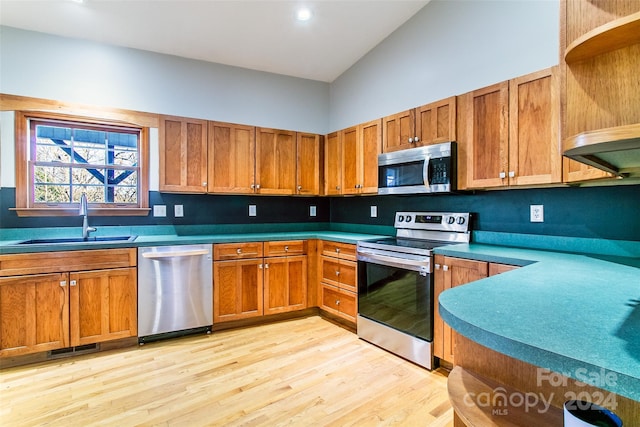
x=426, y=172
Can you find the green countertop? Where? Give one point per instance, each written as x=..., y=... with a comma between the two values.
x=574, y=314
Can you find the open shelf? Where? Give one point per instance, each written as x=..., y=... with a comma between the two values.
x=613, y=35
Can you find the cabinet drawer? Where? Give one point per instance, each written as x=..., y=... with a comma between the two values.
x=339, y=250
x=58, y=262
x=339, y=273
x=284, y=248
x=337, y=301
x=229, y=251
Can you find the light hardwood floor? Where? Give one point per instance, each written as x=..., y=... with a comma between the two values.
x=302, y=372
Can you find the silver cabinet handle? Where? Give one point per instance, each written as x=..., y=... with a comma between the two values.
x=239, y=251
x=204, y=183
x=260, y=266
x=72, y=283
x=437, y=266
x=410, y=140
x=503, y=175
x=286, y=248
x=338, y=250
x=512, y=174
x=257, y=186
x=338, y=187
x=337, y=272
x=416, y=139
x=445, y=267
x=337, y=302
x=63, y=283
x=299, y=188
x=266, y=265
x=253, y=186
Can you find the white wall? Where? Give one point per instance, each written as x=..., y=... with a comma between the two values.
x=448, y=48
x=44, y=66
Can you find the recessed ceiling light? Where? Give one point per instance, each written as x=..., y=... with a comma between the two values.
x=303, y=14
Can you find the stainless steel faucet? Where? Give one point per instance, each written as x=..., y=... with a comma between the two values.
x=84, y=213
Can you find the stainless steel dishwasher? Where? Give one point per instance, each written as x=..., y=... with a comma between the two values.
x=175, y=287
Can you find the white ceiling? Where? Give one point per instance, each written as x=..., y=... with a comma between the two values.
x=260, y=35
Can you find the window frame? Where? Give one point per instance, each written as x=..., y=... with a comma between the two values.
x=25, y=206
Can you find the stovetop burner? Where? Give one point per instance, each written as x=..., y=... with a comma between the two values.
x=410, y=243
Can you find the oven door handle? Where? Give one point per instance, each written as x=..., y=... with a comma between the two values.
x=391, y=261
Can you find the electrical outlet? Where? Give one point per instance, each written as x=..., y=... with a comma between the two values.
x=252, y=210
x=537, y=213
x=159, y=210
x=312, y=211
x=374, y=211
x=178, y=211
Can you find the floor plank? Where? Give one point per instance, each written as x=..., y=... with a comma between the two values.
x=302, y=372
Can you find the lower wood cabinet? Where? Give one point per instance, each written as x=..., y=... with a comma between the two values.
x=48, y=311
x=264, y=278
x=450, y=272
x=338, y=279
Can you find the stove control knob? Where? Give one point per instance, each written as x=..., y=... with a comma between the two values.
x=408, y=219
x=461, y=220
x=400, y=218
x=451, y=220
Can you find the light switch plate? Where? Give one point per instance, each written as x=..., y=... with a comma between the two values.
x=252, y=210
x=178, y=211
x=159, y=210
x=374, y=211
x=312, y=211
x=537, y=213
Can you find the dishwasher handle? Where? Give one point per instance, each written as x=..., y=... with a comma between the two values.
x=155, y=255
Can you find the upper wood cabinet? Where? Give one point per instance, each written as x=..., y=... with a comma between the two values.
x=231, y=154
x=600, y=91
x=429, y=124
x=508, y=133
x=351, y=159
x=183, y=155
x=308, y=164
x=275, y=161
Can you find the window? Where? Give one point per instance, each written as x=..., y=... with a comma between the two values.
x=64, y=157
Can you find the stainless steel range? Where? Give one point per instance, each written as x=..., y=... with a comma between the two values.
x=395, y=282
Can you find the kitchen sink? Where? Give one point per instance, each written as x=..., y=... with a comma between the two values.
x=55, y=241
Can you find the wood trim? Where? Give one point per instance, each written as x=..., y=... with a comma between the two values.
x=24, y=103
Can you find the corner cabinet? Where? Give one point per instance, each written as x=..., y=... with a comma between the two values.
x=450, y=272
x=56, y=300
x=600, y=91
x=183, y=155
x=429, y=124
x=258, y=278
x=351, y=159
x=508, y=133
x=338, y=289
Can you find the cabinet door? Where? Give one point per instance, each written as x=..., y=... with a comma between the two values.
x=183, y=155
x=231, y=158
x=398, y=131
x=34, y=313
x=484, y=135
x=534, y=129
x=103, y=305
x=237, y=289
x=370, y=145
x=285, y=284
x=308, y=164
x=275, y=161
x=449, y=273
x=333, y=164
x=351, y=156
x=436, y=122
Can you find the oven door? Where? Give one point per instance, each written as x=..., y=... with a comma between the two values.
x=398, y=297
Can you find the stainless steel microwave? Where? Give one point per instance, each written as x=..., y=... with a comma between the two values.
x=429, y=169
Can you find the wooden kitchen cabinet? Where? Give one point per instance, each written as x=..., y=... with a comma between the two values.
x=448, y=273
x=508, y=133
x=338, y=279
x=432, y=123
x=56, y=300
x=351, y=159
x=231, y=154
x=183, y=155
x=34, y=313
x=308, y=164
x=254, y=279
x=275, y=161
x=285, y=276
